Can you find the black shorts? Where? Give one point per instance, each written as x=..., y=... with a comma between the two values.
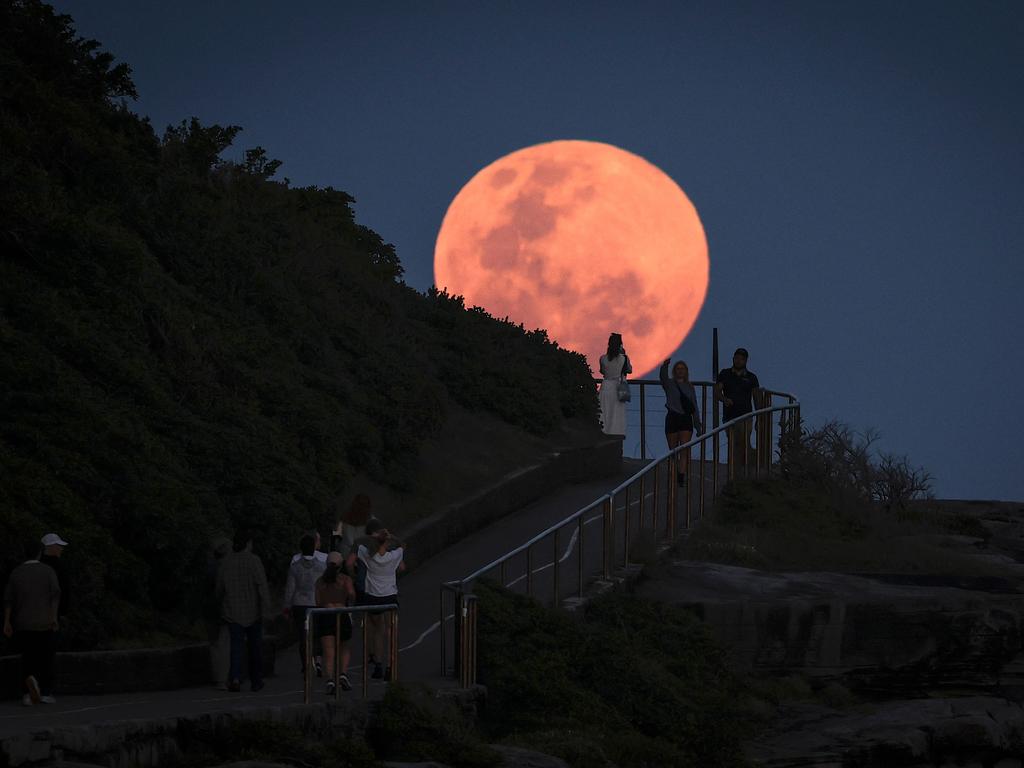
x=365, y=599
x=678, y=422
x=325, y=625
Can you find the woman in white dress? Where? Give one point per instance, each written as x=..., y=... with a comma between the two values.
x=614, y=365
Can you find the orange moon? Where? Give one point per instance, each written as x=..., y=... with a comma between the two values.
x=582, y=239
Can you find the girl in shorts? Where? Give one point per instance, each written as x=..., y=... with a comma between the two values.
x=334, y=590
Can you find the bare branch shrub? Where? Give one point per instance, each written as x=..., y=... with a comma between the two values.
x=845, y=461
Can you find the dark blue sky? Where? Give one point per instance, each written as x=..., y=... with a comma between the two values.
x=858, y=167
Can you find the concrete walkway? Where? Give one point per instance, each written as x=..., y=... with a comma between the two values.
x=419, y=625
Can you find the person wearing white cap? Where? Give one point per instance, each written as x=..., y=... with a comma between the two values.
x=31, y=598
x=53, y=548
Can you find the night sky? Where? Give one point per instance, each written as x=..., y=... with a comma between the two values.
x=858, y=167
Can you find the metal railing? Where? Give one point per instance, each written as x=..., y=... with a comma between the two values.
x=644, y=400
x=310, y=628
x=648, y=505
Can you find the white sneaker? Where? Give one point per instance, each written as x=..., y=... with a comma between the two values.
x=26, y=700
x=47, y=699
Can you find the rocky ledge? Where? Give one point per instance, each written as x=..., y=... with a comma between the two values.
x=974, y=732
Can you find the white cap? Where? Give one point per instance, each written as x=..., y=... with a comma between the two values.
x=52, y=538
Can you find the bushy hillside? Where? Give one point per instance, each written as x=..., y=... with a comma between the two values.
x=187, y=346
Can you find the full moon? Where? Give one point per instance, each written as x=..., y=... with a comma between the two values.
x=582, y=239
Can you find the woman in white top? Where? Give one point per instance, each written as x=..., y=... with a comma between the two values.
x=381, y=588
x=614, y=365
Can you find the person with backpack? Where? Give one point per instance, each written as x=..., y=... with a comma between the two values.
x=683, y=417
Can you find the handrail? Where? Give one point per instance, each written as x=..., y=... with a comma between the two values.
x=390, y=608
x=674, y=461
x=523, y=547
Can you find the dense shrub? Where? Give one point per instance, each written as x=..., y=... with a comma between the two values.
x=631, y=682
x=187, y=346
x=413, y=725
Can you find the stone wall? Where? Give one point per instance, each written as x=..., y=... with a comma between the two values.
x=512, y=492
x=142, y=669
x=135, y=743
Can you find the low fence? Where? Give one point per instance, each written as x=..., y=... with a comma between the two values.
x=648, y=506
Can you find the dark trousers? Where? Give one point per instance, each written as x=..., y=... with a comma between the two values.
x=253, y=635
x=38, y=651
x=299, y=622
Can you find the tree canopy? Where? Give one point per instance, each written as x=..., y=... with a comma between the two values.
x=188, y=346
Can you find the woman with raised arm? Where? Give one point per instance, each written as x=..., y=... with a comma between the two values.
x=683, y=417
x=614, y=367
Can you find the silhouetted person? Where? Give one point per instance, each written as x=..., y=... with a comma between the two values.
x=300, y=590
x=735, y=388
x=614, y=367
x=31, y=604
x=245, y=603
x=683, y=417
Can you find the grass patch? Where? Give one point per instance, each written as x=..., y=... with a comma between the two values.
x=631, y=683
x=779, y=524
x=412, y=725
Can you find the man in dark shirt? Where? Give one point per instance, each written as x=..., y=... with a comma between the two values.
x=31, y=597
x=735, y=388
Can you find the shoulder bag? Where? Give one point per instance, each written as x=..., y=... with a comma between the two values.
x=622, y=388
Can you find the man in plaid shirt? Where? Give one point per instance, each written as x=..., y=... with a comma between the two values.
x=244, y=604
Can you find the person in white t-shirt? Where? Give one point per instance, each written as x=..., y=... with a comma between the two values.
x=382, y=565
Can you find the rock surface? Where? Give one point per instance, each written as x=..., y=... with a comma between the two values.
x=963, y=731
x=876, y=634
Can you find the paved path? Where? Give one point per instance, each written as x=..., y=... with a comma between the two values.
x=420, y=617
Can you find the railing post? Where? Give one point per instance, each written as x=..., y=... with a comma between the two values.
x=467, y=659
x=441, y=622
x=703, y=458
x=655, y=497
x=673, y=486
x=579, y=553
x=554, y=602
x=625, y=530
x=393, y=647
x=608, y=544
x=643, y=422
x=307, y=678
x=643, y=499
x=716, y=459
x=336, y=675
x=687, y=489
x=730, y=439
x=366, y=659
